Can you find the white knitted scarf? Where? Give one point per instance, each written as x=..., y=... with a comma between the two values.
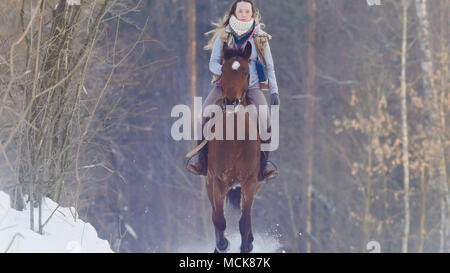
x=240, y=27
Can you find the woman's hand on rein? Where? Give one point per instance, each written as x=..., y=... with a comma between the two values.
x=274, y=99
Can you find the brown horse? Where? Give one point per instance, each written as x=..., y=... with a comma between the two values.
x=234, y=162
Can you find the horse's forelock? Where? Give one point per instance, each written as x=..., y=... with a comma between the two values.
x=230, y=53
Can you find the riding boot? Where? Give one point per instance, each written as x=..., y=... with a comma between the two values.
x=264, y=173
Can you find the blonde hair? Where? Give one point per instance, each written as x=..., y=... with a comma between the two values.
x=222, y=23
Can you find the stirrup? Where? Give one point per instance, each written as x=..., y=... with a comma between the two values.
x=190, y=167
x=270, y=174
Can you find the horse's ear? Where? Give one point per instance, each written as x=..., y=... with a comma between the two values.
x=225, y=47
x=225, y=51
x=247, y=51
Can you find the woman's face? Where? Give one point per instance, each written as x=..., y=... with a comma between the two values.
x=244, y=11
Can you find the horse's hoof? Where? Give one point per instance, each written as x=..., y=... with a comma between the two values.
x=248, y=249
x=219, y=251
x=223, y=247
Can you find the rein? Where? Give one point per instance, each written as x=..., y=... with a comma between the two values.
x=235, y=103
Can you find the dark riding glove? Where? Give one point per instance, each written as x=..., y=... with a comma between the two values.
x=275, y=99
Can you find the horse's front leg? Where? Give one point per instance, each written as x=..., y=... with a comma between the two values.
x=217, y=198
x=245, y=223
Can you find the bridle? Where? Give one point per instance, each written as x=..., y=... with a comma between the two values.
x=236, y=102
x=239, y=101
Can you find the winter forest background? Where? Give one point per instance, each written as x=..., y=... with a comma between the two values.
x=86, y=94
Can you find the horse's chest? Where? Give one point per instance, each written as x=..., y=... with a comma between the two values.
x=231, y=176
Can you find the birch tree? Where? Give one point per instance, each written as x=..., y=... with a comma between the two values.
x=443, y=109
x=434, y=125
x=404, y=122
x=311, y=87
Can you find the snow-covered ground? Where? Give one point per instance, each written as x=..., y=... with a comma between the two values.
x=263, y=243
x=61, y=234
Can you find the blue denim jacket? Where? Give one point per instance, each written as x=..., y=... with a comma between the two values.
x=215, y=66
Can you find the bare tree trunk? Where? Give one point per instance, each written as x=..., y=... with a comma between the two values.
x=427, y=62
x=368, y=194
x=191, y=18
x=405, y=155
x=191, y=13
x=434, y=127
x=423, y=208
x=292, y=212
x=443, y=224
x=443, y=107
x=311, y=86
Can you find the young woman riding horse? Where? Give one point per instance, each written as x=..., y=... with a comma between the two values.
x=241, y=26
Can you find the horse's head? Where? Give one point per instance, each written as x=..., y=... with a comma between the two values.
x=235, y=74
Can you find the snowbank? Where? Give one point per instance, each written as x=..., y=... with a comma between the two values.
x=61, y=234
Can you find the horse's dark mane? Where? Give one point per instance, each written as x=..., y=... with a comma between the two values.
x=232, y=52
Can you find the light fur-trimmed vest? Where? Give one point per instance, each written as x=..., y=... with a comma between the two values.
x=260, y=38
